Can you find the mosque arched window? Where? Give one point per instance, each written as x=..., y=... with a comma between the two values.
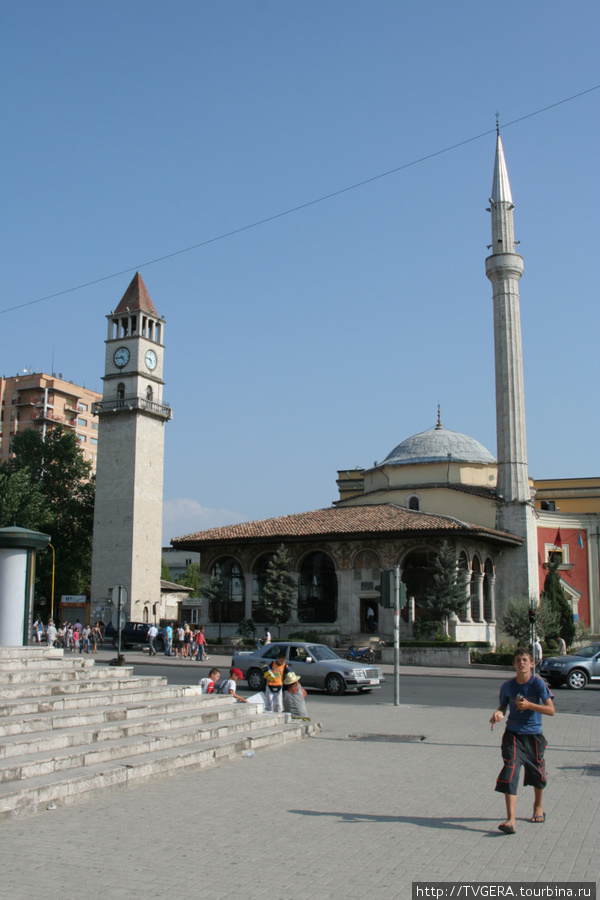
x=488, y=584
x=228, y=607
x=464, y=577
x=317, y=589
x=417, y=574
x=259, y=577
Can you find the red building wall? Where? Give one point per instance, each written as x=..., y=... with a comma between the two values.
x=575, y=572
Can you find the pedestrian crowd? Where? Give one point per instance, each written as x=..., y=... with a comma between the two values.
x=71, y=637
x=180, y=641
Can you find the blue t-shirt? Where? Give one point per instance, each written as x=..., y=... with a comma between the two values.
x=527, y=721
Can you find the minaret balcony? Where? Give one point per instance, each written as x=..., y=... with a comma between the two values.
x=131, y=402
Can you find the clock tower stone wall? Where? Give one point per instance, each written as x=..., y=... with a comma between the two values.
x=129, y=476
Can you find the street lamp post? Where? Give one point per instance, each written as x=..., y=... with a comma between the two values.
x=52, y=583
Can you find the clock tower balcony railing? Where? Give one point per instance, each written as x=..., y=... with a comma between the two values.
x=131, y=402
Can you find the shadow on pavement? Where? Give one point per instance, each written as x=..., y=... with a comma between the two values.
x=421, y=821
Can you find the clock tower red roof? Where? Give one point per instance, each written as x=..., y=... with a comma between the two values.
x=136, y=297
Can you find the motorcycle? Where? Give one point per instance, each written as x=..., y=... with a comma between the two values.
x=367, y=654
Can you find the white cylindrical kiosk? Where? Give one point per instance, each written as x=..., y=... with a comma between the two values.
x=17, y=576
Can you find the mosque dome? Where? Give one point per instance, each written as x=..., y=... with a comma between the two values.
x=438, y=445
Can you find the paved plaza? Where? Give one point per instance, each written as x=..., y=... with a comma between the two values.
x=329, y=816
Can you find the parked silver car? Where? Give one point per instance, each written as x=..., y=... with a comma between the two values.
x=576, y=669
x=317, y=665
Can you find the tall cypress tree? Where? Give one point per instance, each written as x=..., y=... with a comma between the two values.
x=279, y=592
x=446, y=594
x=554, y=595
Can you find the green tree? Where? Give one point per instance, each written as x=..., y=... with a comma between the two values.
x=446, y=595
x=165, y=572
x=514, y=621
x=553, y=596
x=63, y=477
x=22, y=502
x=279, y=592
x=192, y=578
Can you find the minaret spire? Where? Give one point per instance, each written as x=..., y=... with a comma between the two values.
x=504, y=269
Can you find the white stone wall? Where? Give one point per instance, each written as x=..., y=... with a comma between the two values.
x=517, y=573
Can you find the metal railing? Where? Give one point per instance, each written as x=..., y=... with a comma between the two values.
x=130, y=402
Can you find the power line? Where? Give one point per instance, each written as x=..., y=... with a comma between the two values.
x=301, y=206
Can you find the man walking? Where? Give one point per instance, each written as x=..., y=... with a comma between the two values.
x=152, y=635
x=523, y=743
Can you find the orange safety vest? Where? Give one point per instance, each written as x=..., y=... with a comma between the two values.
x=278, y=671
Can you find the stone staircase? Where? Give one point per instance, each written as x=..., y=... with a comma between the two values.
x=68, y=727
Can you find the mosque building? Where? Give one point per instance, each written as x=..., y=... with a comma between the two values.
x=435, y=486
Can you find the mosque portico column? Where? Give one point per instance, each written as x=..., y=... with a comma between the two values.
x=491, y=579
x=466, y=581
x=477, y=581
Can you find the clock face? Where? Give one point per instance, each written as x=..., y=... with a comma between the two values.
x=150, y=359
x=121, y=357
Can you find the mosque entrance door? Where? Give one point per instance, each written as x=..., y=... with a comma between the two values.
x=369, y=621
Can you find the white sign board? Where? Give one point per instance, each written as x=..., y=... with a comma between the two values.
x=76, y=599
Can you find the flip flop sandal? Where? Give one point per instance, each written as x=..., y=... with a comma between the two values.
x=505, y=828
x=538, y=820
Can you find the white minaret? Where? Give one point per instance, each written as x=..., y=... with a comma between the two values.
x=518, y=571
x=129, y=472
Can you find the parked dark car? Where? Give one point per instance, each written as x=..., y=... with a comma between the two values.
x=134, y=634
x=577, y=669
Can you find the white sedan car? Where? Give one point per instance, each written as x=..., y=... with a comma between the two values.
x=317, y=665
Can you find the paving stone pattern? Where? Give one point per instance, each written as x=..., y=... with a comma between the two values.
x=324, y=817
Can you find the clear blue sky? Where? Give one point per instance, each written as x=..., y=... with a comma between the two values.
x=322, y=339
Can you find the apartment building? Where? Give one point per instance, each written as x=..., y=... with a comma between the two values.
x=42, y=402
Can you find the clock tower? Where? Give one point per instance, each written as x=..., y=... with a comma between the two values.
x=129, y=472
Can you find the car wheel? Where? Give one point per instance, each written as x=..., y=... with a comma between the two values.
x=577, y=679
x=335, y=684
x=255, y=680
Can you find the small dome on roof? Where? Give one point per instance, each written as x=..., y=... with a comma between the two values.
x=437, y=445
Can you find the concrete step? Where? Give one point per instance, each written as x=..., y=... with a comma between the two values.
x=74, y=785
x=170, y=700
x=42, y=676
x=47, y=737
x=147, y=740
x=131, y=693
x=45, y=663
x=83, y=682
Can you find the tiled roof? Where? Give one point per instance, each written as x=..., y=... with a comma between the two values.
x=171, y=587
x=136, y=297
x=336, y=522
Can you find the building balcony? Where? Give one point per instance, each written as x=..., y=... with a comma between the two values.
x=29, y=401
x=53, y=419
x=132, y=402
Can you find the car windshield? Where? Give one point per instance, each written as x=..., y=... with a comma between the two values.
x=319, y=652
x=588, y=652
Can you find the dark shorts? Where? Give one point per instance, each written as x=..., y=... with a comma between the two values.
x=522, y=750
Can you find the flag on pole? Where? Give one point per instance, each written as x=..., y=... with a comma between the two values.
x=558, y=539
x=580, y=541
